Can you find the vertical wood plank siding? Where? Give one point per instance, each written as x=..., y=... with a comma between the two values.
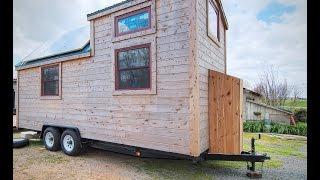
x=225, y=120
x=159, y=121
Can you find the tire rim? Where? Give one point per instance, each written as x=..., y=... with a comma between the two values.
x=68, y=143
x=49, y=139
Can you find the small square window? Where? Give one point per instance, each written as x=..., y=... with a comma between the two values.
x=50, y=81
x=133, y=67
x=133, y=22
x=213, y=21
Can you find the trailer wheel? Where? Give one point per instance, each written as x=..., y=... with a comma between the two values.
x=51, y=139
x=71, y=143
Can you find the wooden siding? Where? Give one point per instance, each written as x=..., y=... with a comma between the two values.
x=159, y=120
x=210, y=56
x=225, y=120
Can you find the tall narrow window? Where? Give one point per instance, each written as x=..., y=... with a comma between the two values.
x=213, y=21
x=50, y=81
x=133, y=67
x=133, y=22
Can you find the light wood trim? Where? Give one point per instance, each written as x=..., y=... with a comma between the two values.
x=194, y=98
x=17, y=109
x=216, y=40
x=225, y=51
x=57, y=60
x=148, y=31
x=241, y=116
x=92, y=32
x=115, y=9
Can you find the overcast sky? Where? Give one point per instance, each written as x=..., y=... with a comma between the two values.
x=261, y=33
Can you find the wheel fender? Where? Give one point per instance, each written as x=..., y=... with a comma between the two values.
x=62, y=128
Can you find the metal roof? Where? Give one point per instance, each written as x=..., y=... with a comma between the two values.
x=84, y=49
x=109, y=7
x=71, y=43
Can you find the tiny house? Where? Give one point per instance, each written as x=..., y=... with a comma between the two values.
x=142, y=80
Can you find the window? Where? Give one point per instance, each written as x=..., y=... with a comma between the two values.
x=133, y=22
x=133, y=67
x=50, y=81
x=213, y=21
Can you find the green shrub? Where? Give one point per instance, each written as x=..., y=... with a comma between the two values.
x=300, y=115
x=258, y=126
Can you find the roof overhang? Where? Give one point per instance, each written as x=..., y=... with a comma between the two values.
x=224, y=17
x=129, y=3
x=114, y=8
x=82, y=52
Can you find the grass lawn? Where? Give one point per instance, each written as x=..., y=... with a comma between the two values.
x=291, y=105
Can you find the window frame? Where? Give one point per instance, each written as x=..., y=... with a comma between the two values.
x=42, y=80
x=215, y=8
x=117, y=71
x=132, y=13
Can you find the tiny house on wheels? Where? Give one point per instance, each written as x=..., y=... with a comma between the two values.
x=151, y=78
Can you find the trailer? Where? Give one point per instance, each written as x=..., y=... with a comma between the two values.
x=151, y=79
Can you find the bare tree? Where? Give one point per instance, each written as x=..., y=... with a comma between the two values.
x=296, y=91
x=274, y=90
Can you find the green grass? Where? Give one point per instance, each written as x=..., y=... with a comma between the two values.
x=298, y=103
x=275, y=146
x=291, y=105
x=32, y=142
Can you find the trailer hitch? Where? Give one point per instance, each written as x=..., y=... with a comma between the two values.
x=252, y=173
x=250, y=157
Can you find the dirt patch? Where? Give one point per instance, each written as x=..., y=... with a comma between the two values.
x=35, y=162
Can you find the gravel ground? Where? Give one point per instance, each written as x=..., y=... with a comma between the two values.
x=34, y=162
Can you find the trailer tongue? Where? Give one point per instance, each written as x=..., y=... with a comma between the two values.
x=249, y=157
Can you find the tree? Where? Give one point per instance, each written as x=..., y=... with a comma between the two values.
x=274, y=90
x=296, y=91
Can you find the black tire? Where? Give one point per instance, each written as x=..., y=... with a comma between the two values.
x=19, y=143
x=76, y=145
x=56, y=139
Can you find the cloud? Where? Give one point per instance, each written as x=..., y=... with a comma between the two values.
x=253, y=43
x=38, y=22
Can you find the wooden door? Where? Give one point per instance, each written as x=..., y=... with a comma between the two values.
x=225, y=108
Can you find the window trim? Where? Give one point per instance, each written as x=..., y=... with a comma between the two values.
x=117, y=71
x=117, y=18
x=210, y=35
x=50, y=97
x=42, y=80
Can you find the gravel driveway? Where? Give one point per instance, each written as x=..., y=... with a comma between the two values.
x=34, y=162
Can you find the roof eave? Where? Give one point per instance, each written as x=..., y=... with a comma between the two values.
x=20, y=65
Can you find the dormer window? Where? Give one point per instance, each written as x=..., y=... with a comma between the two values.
x=213, y=21
x=133, y=22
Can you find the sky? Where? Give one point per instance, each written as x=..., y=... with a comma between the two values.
x=262, y=33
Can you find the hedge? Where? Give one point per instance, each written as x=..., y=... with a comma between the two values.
x=258, y=126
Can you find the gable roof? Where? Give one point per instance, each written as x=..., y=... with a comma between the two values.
x=252, y=92
x=67, y=46
x=84, y=49
x=108, y=8
x=94, y=15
